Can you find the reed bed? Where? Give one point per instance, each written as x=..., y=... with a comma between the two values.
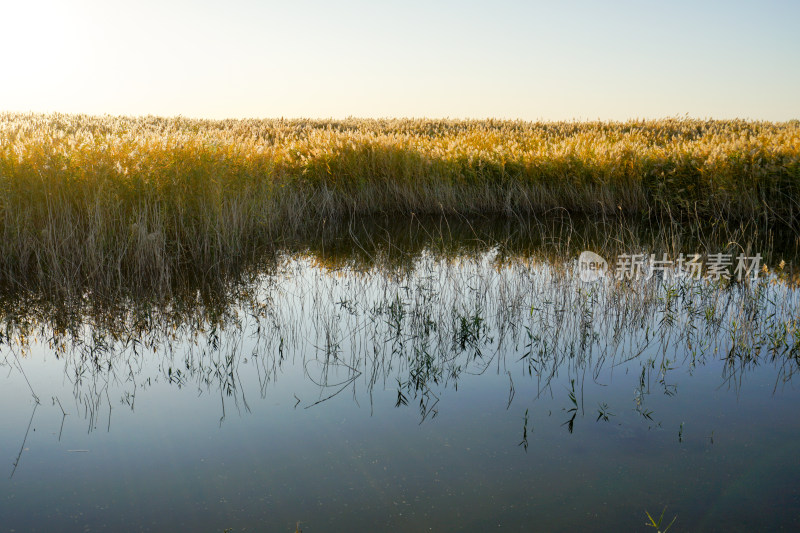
x=104, y=202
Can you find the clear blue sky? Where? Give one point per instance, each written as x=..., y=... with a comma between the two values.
x=527, y=60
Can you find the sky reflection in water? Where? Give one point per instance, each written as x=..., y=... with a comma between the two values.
x=457, y=392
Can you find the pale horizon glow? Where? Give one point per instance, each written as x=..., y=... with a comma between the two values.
x=571, y=60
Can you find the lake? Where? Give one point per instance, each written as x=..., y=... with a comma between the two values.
x=411, y=380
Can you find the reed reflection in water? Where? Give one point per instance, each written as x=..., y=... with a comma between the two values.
x=461, y=390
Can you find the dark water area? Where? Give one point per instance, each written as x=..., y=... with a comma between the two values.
x=438, y=378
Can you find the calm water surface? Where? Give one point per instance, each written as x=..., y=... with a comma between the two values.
x=453, y=393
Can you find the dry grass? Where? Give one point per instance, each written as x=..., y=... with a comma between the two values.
x=136, y=202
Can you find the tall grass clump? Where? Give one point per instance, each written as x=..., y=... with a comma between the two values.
x=110, y=202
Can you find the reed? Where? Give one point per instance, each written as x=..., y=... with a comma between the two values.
x=105, y=202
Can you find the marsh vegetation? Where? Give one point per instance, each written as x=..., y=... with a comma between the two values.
x=365, y=325
x=110, y=202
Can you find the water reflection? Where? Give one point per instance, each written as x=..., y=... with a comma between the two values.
x=487, y=343
x=418, y=331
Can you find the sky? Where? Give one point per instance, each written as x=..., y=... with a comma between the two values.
x=565, y=60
